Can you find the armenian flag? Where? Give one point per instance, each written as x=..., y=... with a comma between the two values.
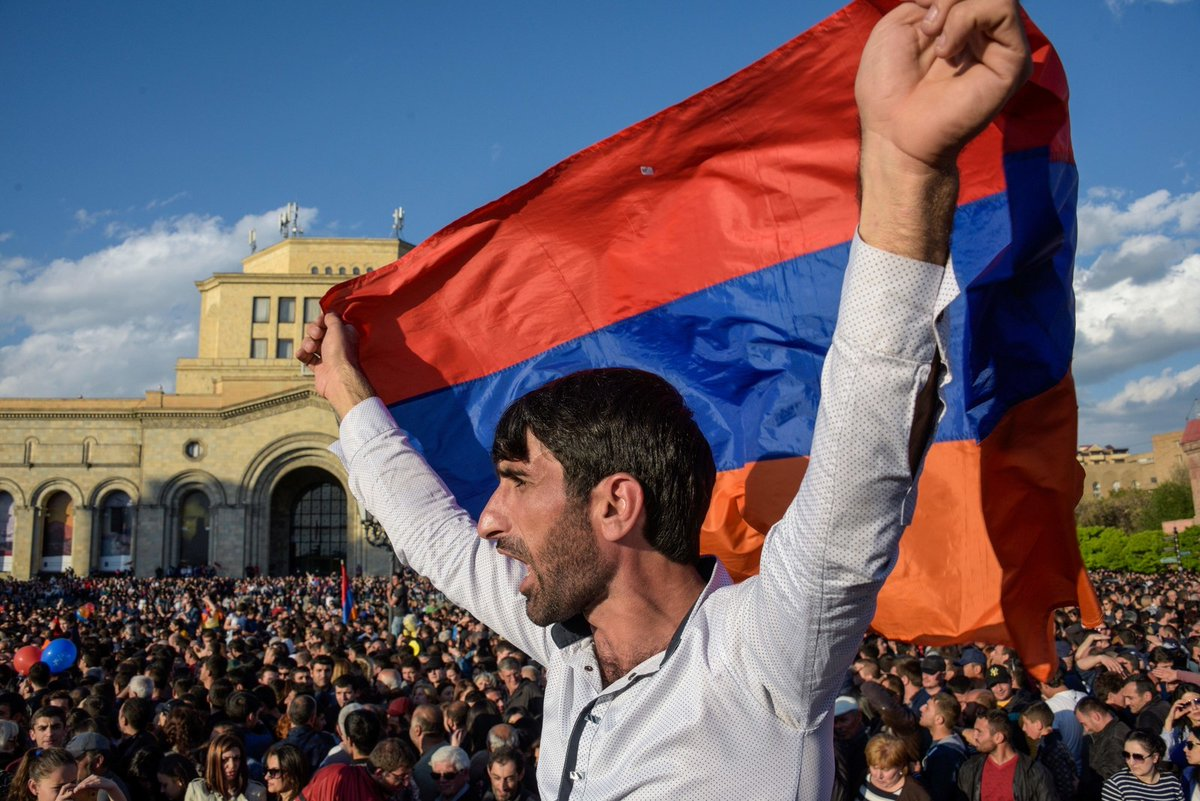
x=348, y=611
x=707, y=244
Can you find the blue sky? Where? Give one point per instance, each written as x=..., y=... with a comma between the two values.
x=141, y=141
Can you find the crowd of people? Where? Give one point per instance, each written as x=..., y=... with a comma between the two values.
x=216, y=688
x=1117, y=720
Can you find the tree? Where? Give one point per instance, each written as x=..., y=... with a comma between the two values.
x=1122, y=509
x=1170, y=500
x=1102, y=548
x=1144, y=552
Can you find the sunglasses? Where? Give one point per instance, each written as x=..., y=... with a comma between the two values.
x=1190, y=744
x=1135, y=757
x=445, y=777
x=272, y=773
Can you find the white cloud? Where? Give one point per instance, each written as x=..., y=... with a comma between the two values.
x=1117, y=6
x=6, y=235
x=1102, y=224
x=1152, y=390
x=86, y=219
x=1141, y=259
x=113, y=322
x=1127, y=324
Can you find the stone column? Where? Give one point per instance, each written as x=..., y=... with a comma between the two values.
x=26, y=542
x=81, y=541
x=227, y=539
x=150, y=547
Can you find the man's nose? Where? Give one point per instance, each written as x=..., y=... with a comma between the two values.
x=493, y=521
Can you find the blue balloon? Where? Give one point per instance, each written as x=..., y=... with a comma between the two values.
x=59, y=655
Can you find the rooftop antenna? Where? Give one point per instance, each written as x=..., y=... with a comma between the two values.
x=253, y=241
x=289, y=221
x=397, y=221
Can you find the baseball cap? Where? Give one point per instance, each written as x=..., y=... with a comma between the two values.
x=844, y=704
x=998, y=674
x=80, y=744
x=933, y=664
x=971, y=656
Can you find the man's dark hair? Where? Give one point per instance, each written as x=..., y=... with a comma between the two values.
x=240, y=706
x=49, y=712
x=363, y=729
x=138, y=712
x=1106, y=684
x=505, y=755
x=345, y=682
x=1141, y=684
x=1039, y=712
x=998, y=723
x=392, y=754
x=217, y=666
x=39, y=674
x=1092, y=706
x=620, y=420
x=301, y=710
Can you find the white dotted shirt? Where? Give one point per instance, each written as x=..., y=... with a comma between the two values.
x=739, y=704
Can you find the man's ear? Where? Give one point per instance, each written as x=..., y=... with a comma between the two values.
x=617, y=507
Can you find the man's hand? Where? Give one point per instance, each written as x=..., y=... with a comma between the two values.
x=934, y=73
x=330, y=349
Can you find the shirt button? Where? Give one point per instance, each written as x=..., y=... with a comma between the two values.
x=593, y=718
x=577, y=775
x=588, y=668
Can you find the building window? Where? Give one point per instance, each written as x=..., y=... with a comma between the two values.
x=8, y=531
x=262, y=310
x=116, y=533
x=193, y=449
x=312, y=309
x=1096, y=488
x=193, y=530
x=258, y=349
x=1116, y=486
x=283, y=349
x=287, y=310
x=356, y=271
x=341, y=270
x=58, y=533
x=329, y=271
x=1153, y=481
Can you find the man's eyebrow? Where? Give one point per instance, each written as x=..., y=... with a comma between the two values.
x=510, y=470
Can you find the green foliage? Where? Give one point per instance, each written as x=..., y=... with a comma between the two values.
x=1107, y=548
x=1123, y=509
x=1170, y=500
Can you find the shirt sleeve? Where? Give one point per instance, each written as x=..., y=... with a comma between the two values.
x=429, y=531
x=796, y=626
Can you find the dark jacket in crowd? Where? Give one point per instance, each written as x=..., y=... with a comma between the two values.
x=1031, y=781
x=528, y=696
x=314, y=744
x=1103, y=758
x=939, y=769
x=1054, y=754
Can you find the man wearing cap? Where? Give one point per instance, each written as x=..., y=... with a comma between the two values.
x=999, y=681
x=973, y=664
x=849, y=746
x=91, y=751
x=933, y=682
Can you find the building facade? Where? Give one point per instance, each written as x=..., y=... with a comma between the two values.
x=1108, y=469
x=230, y=472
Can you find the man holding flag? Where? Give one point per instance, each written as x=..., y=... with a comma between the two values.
x=665, y=680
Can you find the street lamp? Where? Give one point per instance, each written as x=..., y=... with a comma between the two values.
x=373, y=530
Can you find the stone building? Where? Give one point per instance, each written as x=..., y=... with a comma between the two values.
x=1108, y=469
x=231, y=471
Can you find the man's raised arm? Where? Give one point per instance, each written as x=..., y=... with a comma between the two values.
x=427, y=528
x=933, y=74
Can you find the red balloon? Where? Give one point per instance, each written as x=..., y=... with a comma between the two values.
x=25, y=658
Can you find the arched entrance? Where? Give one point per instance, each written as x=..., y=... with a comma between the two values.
x=194, y=525
x=58, y=533
x=8, y=531
x=308, y=523
x=116, y=533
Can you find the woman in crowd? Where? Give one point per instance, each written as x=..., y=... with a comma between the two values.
x=49, y=775
x=1184, y=715
x=1191, y=774
x=888, y=778
x=1145, y=775
x=175, y=773
x=286, y=772
x=225, y=775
